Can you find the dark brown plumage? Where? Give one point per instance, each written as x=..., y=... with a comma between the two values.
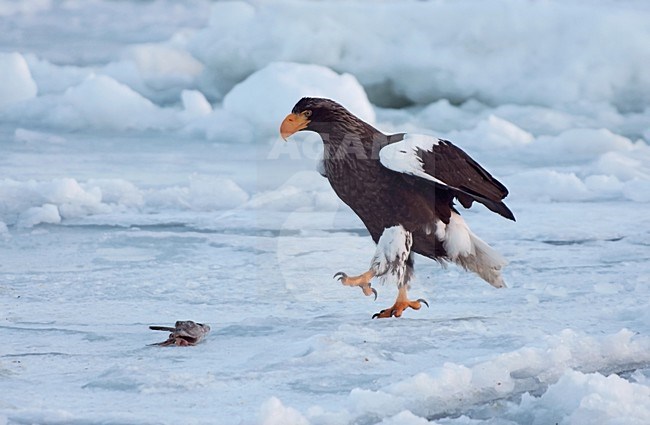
x=413, y=183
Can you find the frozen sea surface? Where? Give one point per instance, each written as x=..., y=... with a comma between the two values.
x=143, y=182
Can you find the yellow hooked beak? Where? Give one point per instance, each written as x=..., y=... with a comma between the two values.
x=293, y=123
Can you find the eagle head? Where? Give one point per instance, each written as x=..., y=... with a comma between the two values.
x=308, y=113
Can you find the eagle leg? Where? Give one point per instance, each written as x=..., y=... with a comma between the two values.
x=401, y=303
x=362, y=281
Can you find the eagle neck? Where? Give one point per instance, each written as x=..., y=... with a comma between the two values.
x=351, y=140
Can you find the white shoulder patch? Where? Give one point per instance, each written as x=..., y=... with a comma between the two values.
x=402, y=156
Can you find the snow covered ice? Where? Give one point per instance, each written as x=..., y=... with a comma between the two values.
x=144, y=181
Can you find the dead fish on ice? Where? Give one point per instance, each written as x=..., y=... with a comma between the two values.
x=184, y=333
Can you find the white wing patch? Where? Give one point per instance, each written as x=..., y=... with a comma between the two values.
x=402, y=156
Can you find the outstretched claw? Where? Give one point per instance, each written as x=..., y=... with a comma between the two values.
x=362, y=281
x=401, y=304
x=183, y=334
x=398, y=308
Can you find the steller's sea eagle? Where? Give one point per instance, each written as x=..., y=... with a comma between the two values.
x=402, y=186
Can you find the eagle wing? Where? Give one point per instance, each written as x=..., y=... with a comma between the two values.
x=440, y=162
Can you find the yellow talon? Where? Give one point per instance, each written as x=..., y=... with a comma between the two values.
x=401, y=304
x=362, y=281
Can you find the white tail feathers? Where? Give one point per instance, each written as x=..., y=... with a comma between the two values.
x=469, y=251
x=485, y=262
